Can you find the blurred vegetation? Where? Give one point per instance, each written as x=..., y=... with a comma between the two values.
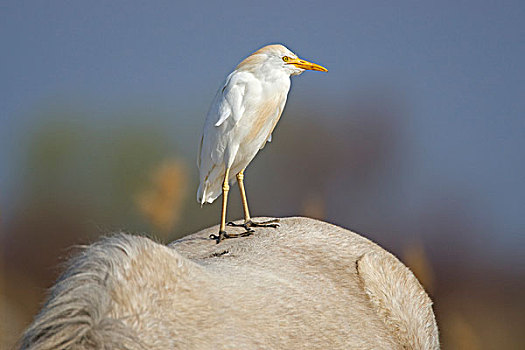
x=161, y=203
x=81, y=179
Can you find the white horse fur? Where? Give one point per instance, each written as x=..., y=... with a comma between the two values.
x=305, y=285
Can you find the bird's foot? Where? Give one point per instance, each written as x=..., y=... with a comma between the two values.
x=219, y=237
x=223, y=235
x=274, y=223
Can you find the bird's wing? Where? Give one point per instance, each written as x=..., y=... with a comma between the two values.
x=226, y=111
x=269, y=139
x=200, y=151
x=227, y=106
x=279, y=113
x=232, y=95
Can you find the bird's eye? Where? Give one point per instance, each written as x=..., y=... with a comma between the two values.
x=286, y=58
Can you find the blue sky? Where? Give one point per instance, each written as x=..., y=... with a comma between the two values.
x=458, y=65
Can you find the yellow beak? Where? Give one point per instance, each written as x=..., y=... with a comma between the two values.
x=306, y=65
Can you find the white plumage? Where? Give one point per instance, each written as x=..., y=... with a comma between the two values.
x=243, y=115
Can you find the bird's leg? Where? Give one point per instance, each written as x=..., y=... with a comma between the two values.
x=222, y=233
x=225, y=190
x=240, y=182
x=247, y=219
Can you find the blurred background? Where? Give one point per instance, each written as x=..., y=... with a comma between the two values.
x=415, y=138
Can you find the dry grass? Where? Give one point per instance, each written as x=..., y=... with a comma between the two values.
x=161, y=202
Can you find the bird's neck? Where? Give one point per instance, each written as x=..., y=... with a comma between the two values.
x=272, y=75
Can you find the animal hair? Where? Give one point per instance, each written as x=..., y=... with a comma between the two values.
x=307, y=284
x=76, y=314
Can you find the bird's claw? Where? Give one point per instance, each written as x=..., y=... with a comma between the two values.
x=245, y=225
x=223, y=235
x=274, y=223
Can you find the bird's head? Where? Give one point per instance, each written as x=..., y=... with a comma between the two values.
x=277, y=58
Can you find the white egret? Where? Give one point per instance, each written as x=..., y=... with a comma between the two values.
x=240, y=122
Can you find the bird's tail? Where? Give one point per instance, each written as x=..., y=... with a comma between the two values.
x=211, y=186
x=201, y=193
